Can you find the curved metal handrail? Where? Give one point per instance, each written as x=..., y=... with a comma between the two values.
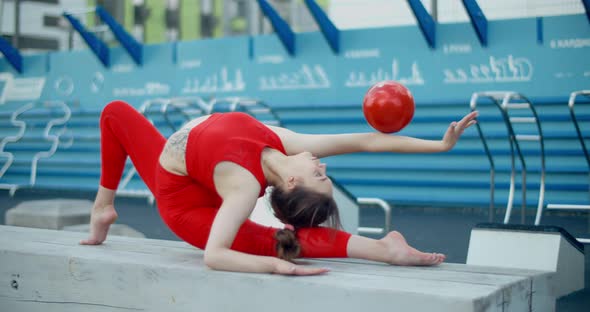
x=386, y=211
x=188, y=107
x=14, y=138
x=502, y=100
x=178, y=106
x=571, y=103
x=207, y=107
x=146, y=105
x=514, y=140
x=248, y=103
x=578, y=207
x=492, y=208
x=541, y=199
x=495, y=97
x=49, y=137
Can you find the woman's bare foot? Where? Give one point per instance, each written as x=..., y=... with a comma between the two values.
x=400, y=253
x=100, y=220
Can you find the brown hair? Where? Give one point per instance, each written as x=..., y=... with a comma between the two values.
x=301, y=208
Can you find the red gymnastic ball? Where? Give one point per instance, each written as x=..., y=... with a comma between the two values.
x=388, y=106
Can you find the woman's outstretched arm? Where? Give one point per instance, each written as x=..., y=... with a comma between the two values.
x=324, y=145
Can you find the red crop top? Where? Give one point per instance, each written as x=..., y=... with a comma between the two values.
x=235, y=137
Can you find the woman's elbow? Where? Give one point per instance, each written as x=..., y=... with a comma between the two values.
x=210, y=258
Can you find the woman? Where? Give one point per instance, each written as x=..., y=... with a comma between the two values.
x=207, y=177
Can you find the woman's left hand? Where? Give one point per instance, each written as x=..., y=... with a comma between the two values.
x=456, y=129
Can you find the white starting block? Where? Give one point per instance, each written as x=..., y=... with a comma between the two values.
x=546, y=248
x=49, y=213
x=46, y=270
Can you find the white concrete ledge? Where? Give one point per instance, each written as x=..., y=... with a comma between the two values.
x=45, y=270
x=116, y=229
x=51, y=214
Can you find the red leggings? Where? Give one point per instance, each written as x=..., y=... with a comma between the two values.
x=186, y=206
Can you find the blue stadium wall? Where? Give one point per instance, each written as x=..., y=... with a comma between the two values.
x=317, y=91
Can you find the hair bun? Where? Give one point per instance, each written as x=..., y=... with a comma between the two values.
x=288, y=247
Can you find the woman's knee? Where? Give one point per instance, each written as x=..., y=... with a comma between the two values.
x=115, y=107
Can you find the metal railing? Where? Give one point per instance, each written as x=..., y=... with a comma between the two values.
x=370, y=201
x=505, y=101
x=13, y=139
x=199, y=105
x=54, y=139
x=574, y=96
x=22, y=125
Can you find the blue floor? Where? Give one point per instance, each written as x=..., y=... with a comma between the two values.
x=425, y=229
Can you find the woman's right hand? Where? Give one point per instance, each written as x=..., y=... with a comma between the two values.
x=287, y=268
x=456, y=129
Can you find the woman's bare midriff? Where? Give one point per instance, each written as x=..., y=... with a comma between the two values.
x=172, y=158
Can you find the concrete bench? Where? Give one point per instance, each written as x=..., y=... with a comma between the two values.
x=45, y=270
x=116, y=229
